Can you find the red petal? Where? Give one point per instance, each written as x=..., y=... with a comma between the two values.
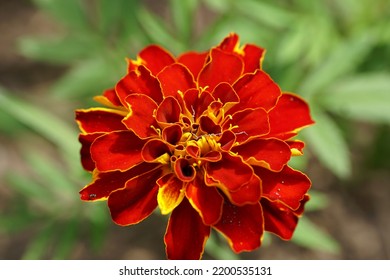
x=118, y=150
x=229, y=43
x=248, y=123
x=170, y=193
x=107, y=182
x=290, y=114
x=256, y=90
x=242, y=226
x=139, y=81
x=231, y=172
x=154, y=58
x=287, y=186
x=186, y=234
x=184, y=170
x=208, y=126
x=156, y=150
x=225, y=94
x=140, y=118
x=168, y=111
x=109, y=98
x=296, y=147
x=223, y=67
x=269, y=153
x=280, y=219
x=193, y=61
x=172, y=134
x=206, y=200
x=253, y=56
x=175, y=78
x=100, y=120
x=248, y=193
x=197, y=103
x=227, y=140
x=136, y=201
x=86, y=141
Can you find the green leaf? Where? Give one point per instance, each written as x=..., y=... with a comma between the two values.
x=42, y=121
x=39, y=246
x=308, y=235
x=67, y=237
x=157, y=31
x=341, y=61
x=318, y=201
x=183, y=14
x=58, y=50
x=88, y=78
x=268, y=14
x=326, y=141
x=54, y=177
x=217, y=250
x=363, y=97
x=69, y=12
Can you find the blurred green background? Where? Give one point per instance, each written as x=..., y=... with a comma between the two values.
x=55, y=55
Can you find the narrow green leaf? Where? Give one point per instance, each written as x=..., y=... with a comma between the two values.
x=318, y=201
x=27, y=187
x=327, y=143
x=69, y=12
x=40, y=244
x=217, y=250
x=363, y=97
x=58, y=50
x=157, y=31
x=88, y=78
x=341, y=61
x=183, y=14
x=269, y=14
x=66, y=239
x=54, y=177
x=308, y=235
x=42, y=121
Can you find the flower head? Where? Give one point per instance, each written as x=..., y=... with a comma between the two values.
x=205, y=137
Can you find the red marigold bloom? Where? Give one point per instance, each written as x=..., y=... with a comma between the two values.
x=206, y=137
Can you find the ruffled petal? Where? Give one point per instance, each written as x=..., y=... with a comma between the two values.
x=269, y=153
x=253, y=57
x=186, y=234
x=170, y=193
x=86, y=141
x=140, y=118
x=296, y=147
x=139, y=81
x=193, y=61
x=280, y=219
x=229, y=43
x=230, y=172
x=154, y=58
x=184, y=170
x=169, y=111
x=175, y=80
x=119, y=150
x=156, y=150
x=288, y=186
x=109, y=99
x=136, y=201
x=206, y=200
x=242, y=226
x=223, y=67
x=105, y=183
x=100, y=120
x=248, y=123
x=248, y=193
x=197, y=103
x=290, y=114
x=256, y=90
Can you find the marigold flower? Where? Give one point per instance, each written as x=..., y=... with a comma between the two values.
x=205, y=137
